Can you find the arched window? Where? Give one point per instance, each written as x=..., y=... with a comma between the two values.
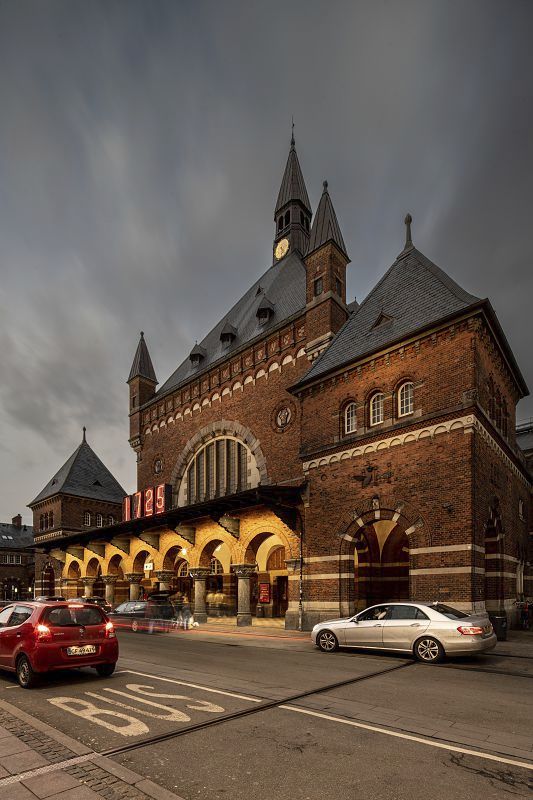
x=87, y=519
x=405, y=399
x=183, y=569
x=280, y=223
x=51, y=519
x=377, y=404
x=287, y=218
x=41, y=522
x=350, y=419
x=99, y=521
x=215, y=567
x=46, y=524
x=221, y=467
x=111, y=520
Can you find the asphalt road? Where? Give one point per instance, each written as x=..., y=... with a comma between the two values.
x=396, y=730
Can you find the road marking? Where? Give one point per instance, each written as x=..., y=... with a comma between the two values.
x=419, y=739
x=90, y=712
x=195, y=686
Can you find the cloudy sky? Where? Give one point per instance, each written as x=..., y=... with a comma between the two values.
x=141, y=149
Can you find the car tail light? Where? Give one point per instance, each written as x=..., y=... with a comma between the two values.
x=110, y=630
x=470, y=630
x=43, y=633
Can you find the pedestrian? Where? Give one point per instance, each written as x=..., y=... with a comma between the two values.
x=524, y=615
x=186, y=612
x=178, y=611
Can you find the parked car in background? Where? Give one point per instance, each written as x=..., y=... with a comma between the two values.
x=151, y=615
x=427, y=631
x=50, y=599
x=36, y=638
x=97, y=601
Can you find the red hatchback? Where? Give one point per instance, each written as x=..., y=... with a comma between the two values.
x=40, y=637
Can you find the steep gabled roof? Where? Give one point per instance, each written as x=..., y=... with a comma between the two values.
x=83, y=475
x=292, y=184
x=283, y=285
x=412, y=295
x=15, y=538
x=325, y=226
x=142, y=366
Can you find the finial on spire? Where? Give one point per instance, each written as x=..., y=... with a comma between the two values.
x=293, y=142
x=142, y=334
x=325, y=185
x=408, y=240
x=84, y=432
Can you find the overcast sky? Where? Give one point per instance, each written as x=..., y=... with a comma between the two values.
x=142, y=145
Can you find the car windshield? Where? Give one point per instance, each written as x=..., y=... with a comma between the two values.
x=66, y=616
x=448, y=611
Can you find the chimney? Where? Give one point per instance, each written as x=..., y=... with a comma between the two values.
x=17, y=521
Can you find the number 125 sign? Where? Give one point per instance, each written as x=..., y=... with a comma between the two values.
x=146, y=503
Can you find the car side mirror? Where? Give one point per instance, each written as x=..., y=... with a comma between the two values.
x=355, y=620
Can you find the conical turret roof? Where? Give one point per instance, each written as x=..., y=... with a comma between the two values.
x=292, y=185
x=142, y=366
x=325, y=226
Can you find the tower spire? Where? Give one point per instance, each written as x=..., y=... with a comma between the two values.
x=142, y=366
x=292, y=213
x=325, y=225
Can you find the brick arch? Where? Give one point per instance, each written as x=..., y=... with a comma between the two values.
x=387, y=508
x=216, y=429
x=269, y=523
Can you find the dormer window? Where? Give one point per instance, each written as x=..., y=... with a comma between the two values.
x=197, y=355
x=228, y=334
x=265, y=311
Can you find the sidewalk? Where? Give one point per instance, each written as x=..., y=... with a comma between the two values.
x=38, y=761
x=519, y=643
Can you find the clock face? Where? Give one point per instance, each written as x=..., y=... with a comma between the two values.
x=282, y=248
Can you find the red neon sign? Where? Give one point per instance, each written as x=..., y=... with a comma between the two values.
x=147, y=502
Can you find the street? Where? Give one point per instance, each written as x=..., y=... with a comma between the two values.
x=226, y=715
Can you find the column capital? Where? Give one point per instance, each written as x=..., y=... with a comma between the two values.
x=88, y=581
x=134, y=577
x=109, y=579
x=164, y=575
x=244, y=570
x=199, y=573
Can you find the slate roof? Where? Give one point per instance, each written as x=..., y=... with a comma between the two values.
x=524, y=437
x=325, y=226
x=283, y=285
x=83, y=475
x=142, y=363
x=412, y=295
x=292, y=184
x=13, y=538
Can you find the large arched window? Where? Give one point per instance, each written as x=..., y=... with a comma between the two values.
x=405, y=399
x=221, y=467
x=350, y=419
x=215, y=567
x=377, y=408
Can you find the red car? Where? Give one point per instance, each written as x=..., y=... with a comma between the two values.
x=40, y=637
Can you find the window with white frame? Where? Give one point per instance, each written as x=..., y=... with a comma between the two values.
x=350, y=419
x=183, y=569
x=377, y=404
x=99, y=521
x=405, y=399
x=87, y=518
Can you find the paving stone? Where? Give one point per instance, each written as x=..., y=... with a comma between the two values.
x=23, y=762
x=118, y=770
x=12, y=745
x=80, y=793
x=50, y=783
x=16, y=792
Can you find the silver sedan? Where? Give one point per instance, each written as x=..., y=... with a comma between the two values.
x=427, y=631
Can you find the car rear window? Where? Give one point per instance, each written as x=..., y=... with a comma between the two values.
x=70, y=615
x=448, y=611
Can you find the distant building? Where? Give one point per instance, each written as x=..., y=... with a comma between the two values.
x=82, y=495
x=323, y=456
x=16, y=560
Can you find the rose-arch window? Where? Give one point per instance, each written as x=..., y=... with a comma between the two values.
x=221, y=467
x=183, y=569
x=215, y=567
x=350, y=419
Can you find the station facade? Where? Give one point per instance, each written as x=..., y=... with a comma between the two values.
x=323, y=455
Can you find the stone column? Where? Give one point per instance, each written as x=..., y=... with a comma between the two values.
x=134, y=579
x=164, y=577
x=110, y=581
x=199, y=575
x=88, y=585
x=243, y=573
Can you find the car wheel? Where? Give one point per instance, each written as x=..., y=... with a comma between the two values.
x=327, y=641
x=135, y=626
x=25, y=674
x=428, y=650
x=105, y=670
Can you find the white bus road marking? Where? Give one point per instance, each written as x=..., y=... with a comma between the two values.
x=90, y=712
x=172, y=715
x=194, y=686
x=410, y=737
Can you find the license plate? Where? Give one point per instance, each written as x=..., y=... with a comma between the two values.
x=86, y=650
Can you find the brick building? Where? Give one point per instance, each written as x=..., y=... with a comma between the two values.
x=82, y=495
x=16, y=560
x=321, y=455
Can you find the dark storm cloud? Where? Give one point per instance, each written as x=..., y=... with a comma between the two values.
x=141, y=150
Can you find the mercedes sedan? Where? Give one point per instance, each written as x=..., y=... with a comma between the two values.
x=427, y=631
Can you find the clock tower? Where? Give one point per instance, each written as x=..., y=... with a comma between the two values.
x=292, y=215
